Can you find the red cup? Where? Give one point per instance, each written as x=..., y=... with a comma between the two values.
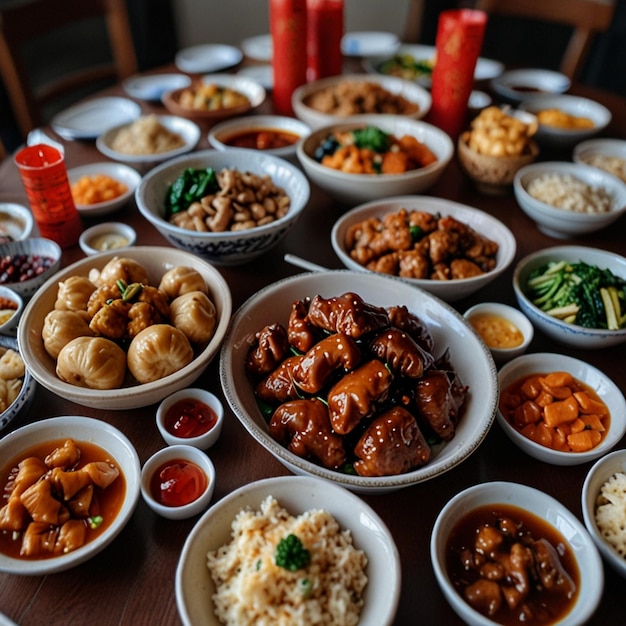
x=459, y=41
x=44, y=177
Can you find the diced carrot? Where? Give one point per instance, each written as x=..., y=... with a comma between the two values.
x=544, y=398
x=559, y=379
x=593, y=422
x=528, y=413
x=531, y=387
x=560, y=412
x=588, y=404
x=538, y=433
x=559, y=439
x=510, y=399
x=395, y=163
x=577, y=425
x=584, y=440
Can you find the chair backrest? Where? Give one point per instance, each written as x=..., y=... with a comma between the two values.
x=586, y=17
x=22, y=23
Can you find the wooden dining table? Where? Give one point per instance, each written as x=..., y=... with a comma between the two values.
x=132, y=580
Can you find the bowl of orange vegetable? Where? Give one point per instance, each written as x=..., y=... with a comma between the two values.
x=370, y=157
x=560, y=410
x=102, y=188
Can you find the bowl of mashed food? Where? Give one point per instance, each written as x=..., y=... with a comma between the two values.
x=303, y=546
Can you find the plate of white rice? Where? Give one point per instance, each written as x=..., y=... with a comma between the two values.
x=227, y=572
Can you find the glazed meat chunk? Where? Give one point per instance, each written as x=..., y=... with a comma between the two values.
x=347, y=314
x=277, y=386
x=357, y=395
x=402, y=318
x=403, y=355
x=332, y=353
x=300, y=333
x=392, y=444
x=303, y=426
x=271, y=347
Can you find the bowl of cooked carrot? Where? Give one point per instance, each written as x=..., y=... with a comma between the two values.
x=559, y=409
x=102, y=188
x=370, y=157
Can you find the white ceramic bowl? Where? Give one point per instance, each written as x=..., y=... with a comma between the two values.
x=35, y=246
x=298, y=494
x=353, y=189
x=564, y=223
x=221, y=134
x=524, y=84
x=80, y=429
x=157, y=261
x=118, y=171
x=600, y=472
x=468, y=354
x=600, y=382
x=540, y=505
x=26, y=394
x=232, y=247
x=188, y=454
x=188, y=130
x=510, y=315
x=16, y=221
x=607, y=154
x=407, y=89
x=363, y=43
x=16, y=304
x=203, y=441
x=569, y=334
x=253, y=91
x=553, y=136
x=107, y=236
x=480, y=221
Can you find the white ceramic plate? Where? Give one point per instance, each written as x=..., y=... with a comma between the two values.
x=152, y=87
x=369, y=43
x=534, y=82
x=207, y=58
x=91, y=118
x=258, y=48
x=118, y=171
x=263, y=74
x=297, y=494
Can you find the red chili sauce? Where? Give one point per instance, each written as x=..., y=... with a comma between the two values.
x=189, y=418
x=482, y=553
x=178, y=482
x=262, y=139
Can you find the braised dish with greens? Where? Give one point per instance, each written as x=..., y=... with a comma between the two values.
x=355, y=387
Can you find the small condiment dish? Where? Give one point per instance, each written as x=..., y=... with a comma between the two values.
x=178, y=457
x=523, y=84
x=604, y=469
x=182, y=420
x=532, y=503
x=11, y=306
x=16, y=222
x=506, y=330
x=107, y=236
x=545, y=363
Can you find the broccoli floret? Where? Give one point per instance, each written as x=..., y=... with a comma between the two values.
x=291, y=554
x=372, y=138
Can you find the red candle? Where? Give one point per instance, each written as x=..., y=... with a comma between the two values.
x=289, y=55
x=324, y=33
x=459, y=40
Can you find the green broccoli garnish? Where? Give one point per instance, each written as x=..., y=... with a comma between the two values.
x=372, y=138
x=291, y=554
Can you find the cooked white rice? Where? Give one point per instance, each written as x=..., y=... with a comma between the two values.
x=611, y=512
x=612, y=164
x=252, y=589
x=570, y=193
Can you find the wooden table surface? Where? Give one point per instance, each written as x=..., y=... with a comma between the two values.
x=132, y=580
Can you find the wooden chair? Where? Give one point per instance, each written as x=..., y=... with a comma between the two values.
x=24, y=22
x=586, y=17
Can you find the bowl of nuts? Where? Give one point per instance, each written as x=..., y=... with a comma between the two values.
x=227, y=206
x=497, y=145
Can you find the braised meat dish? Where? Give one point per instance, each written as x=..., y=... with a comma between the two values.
x=355, y=387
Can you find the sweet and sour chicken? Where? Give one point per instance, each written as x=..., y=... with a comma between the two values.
x=354, y=386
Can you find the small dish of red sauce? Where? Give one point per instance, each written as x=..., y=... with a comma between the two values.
x=178, y=481
x=192, y=417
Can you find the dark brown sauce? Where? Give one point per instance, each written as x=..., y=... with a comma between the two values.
x=107, y=502
x=547, y=606
x=527, y=89
x=262, y=139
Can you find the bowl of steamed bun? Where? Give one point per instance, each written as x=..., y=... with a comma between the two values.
x=124, y=329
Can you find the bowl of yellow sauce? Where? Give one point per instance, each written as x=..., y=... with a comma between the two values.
x=506, y=331
x=107, y=236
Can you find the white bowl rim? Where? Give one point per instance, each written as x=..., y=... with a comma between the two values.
x=539, y=257
x=85, y=552
x=565, y=363
x=21, y=211
x=507, y=249
x=553, y=512
x=253, y=89
x=267, y=486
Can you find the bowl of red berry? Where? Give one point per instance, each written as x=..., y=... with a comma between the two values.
x=26, y=265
